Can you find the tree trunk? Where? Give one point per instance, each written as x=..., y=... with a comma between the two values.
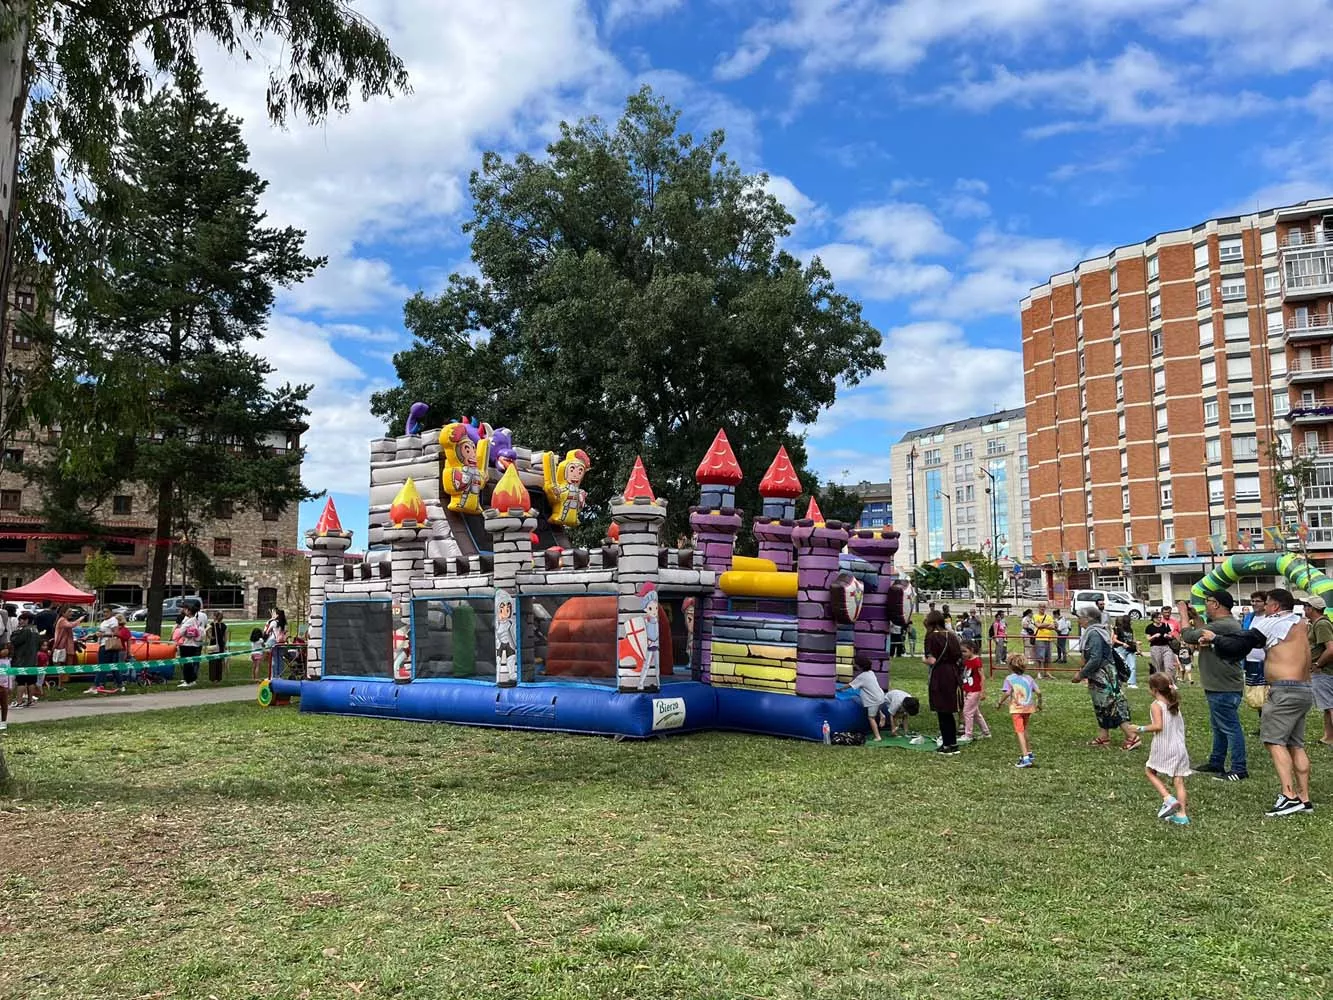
x=13, y=99
x=157, y=580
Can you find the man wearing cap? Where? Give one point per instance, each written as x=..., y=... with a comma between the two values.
x=1321, y=661
x=1223, y=681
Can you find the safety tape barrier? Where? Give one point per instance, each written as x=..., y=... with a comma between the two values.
x=66, y=669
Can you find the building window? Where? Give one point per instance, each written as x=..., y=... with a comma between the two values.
x=1272, y=282
x=932, y=456
x=1233, y=289
x=1242, y=408
x=962, y=452
x=269, y=512
x=1212, y=448
x=1115, y=314
x=1280, y=404
x=1245, y=446
x=26, y=301
x=11, y=499
x=1155, y=307
x=222, y=547
x=223, y=510
x=21, y=340
x=1168, y=531
x=1152, y=267
x=13, y=457
x=1115, y=279
x=1204, y=295
x=268, y=548
x=1119, y=389
x=1124, y=497
x=1129, y=535
x=995, y=446
x=122, y=505
x=1159, y=380
x=1166, y=496
x=1236, y=328
x=1121, y=424
x=1208, y=372
x=1163, y=455
x=1239, y=369
x=1217, y=526
x=1230, y=250
x=1201, y=256
x=1247, y=487
x=1124, y=463
x=1206, y=334
x=1215, y=494
x=1275, y=324
x=1161, y=418
x=1157, y=340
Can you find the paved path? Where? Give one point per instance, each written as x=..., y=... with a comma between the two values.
x=79, y=708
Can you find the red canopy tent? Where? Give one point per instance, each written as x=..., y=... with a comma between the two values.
x=50, y=586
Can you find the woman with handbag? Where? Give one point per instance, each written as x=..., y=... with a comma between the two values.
x=944, y=657
x=1101, y=671
x=62, y=647
x=109, y=648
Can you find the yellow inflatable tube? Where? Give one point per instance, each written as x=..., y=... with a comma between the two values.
x=747, y=583
x=749, y=564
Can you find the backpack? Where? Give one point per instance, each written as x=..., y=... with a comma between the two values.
x=1117, y=657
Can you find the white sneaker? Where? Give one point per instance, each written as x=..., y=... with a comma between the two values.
x=965, y=739
x=3, y=726
x=183, y=684
x=1133, y=687
x=1168, y=807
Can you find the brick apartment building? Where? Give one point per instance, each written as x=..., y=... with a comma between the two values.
x=1158, y=377
x=876, y=505
x=260, y=546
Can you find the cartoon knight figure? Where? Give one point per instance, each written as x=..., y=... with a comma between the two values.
x=506, y=639
x=402, y=655
x=466, y=463
x=651, y=671
x=561, y=485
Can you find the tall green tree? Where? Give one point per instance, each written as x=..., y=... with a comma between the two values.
x=633, y=296
x=68, y=67
x=151, y=357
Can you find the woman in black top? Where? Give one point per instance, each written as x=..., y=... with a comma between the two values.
x=944, y=656
x=1159, y=647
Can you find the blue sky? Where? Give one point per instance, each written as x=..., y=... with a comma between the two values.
x=940, y=157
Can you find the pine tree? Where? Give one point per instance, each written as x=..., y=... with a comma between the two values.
x=150, y=376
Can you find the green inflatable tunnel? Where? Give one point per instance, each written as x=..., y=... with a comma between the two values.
x=1298, y=572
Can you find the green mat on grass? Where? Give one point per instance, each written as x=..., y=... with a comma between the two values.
x=903, y=743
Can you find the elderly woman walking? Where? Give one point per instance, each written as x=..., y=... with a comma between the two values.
x=944, y=656
x=1099, y=670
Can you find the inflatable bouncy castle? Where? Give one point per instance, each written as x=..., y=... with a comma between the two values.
x=473, y=607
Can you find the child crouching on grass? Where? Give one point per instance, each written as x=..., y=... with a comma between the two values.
x=1023, y=696
x=866, y=686
x=1168, y=757
x=974, y=690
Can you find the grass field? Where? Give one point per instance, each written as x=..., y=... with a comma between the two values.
x=234, y=852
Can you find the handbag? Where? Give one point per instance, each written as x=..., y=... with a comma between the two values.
x=1256, y=696
x=112, y=643
x=58, y=656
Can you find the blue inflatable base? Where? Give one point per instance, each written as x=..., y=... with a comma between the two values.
x=572, y=707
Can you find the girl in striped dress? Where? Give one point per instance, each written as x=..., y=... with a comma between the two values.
x=1169, y=758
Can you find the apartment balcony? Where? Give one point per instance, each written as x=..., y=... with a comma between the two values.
x=1307, y=265
x=1318, y=452
x=1316, y=326
x=1314, y=411
x=1319, y=370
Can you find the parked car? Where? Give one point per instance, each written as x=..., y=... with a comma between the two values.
x=1117, y=603
x=171, y=607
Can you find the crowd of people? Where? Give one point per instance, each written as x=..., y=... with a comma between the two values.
x=53, y=636
x=1276, y=658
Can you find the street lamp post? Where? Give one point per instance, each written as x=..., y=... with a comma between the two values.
x=994, y=520
x=948, y=520
x=911, y=502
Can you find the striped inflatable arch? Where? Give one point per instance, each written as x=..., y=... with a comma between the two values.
x=1298, y=572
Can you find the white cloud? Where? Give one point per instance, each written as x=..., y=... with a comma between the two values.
x=903, y=230
x=619, y=12
x=932, y=373
x=302, y=352
x=1001, y=268
x=1251, y=34
x=873, y=277
x=808, y=212
x=346, y=285
x=486, y=75
x=741, y=63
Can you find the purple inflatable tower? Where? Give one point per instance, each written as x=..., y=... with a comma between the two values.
x=817, y=548
x=715, y=522
x=883, y=602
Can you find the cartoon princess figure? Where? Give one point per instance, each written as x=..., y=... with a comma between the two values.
x=465, y=466
x=651, y=670
x=561, y=484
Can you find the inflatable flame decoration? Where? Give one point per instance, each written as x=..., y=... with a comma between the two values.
x=510, y=494
x=407, y=506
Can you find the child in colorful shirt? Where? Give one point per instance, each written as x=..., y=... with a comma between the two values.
x=1023, y=695
x=974, y=689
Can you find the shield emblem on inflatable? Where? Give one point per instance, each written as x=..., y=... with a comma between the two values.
x=847, y=595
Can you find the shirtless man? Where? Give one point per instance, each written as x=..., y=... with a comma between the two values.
x=1287, y=671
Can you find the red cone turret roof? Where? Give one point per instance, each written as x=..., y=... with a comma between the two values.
x=780, y=480
x=328, y=523
x=813, y=513
x=719, y=467
x=638, y=487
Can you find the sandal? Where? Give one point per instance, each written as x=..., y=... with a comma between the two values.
x=1099, y=742
x=1132, y=744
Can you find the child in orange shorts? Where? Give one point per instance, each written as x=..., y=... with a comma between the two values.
x=1023, y=696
